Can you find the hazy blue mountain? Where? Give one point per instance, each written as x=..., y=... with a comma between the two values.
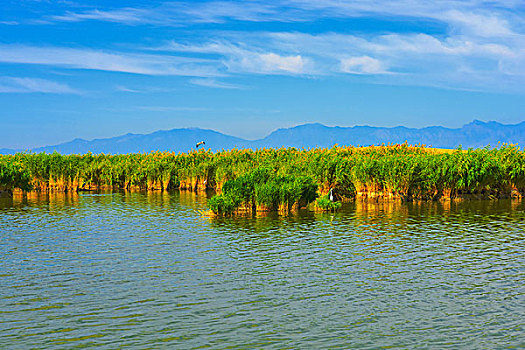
x=177, y=140
x=475, y=134
x=9, y=151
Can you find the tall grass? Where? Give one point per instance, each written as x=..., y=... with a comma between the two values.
x=273, y=178
x=262, y=189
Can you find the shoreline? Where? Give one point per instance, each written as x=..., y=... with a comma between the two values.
x=281, y=179
x=362, y=197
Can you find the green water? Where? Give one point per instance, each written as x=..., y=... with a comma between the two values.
x=146, y=271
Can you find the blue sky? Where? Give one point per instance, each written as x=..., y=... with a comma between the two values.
x=94, y=69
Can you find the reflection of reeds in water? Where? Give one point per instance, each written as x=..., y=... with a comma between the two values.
x=375, y=208
x=159, y=198
x=54, y=200
x=191, y=198
x=187, y=197
x=393, y=209
x=392, y=213
x=515, y=204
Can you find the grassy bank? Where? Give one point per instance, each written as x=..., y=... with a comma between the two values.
x=396, y=172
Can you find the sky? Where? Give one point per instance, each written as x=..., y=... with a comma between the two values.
x=102, y=68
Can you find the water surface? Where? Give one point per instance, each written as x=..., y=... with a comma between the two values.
x=139, y=271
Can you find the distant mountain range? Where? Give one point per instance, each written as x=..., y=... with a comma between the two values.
x=475, y=134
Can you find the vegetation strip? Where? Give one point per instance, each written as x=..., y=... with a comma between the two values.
x=281, y=179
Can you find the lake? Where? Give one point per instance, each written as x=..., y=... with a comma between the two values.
x=146, y=270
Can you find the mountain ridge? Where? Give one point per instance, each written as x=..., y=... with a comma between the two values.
x=474, y=134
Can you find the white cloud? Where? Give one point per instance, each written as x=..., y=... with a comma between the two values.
x=220, y=11
x=454, y=61
x=31, y=85
x=492, y=18
x=142, y=89
x=480, y=45
x=266, y=63
x=212, y=83
x=173, y=109
x=472, y=16
x=362, y=65
x=273, y=62
x=249, y=58
x=180, y=13
x=126, y=15
x=485, y=25
x=122, y=88
x=108, y=61
x=424, y=44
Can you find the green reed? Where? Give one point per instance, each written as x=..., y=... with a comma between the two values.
x=396, y=171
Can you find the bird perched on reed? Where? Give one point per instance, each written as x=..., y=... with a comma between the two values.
x=199, y=143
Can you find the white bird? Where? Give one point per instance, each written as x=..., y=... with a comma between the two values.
x=331, y=195
x=199, y=143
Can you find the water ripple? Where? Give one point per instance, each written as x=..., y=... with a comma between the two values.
x=140, y=270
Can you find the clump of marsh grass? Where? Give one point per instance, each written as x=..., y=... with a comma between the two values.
x=263, y=190
x=325, y=204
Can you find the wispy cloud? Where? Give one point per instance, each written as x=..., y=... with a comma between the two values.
x=476, y=16
x=145, y=64
x=184, y=12
x=249, y=57
x=453, y=61
x=148, y=89
x=122, y=88
x=362, y=65
x=482, y=45
x=246, y=61
x=292, y=64
x=212, y=83
x=31, y=85
x=479, y=24
x=173, y=109
x=125, y=15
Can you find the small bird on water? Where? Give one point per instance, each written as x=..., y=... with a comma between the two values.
x=331, y=195
x=199, y=143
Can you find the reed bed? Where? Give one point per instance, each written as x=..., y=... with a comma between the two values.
x=382, y=172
